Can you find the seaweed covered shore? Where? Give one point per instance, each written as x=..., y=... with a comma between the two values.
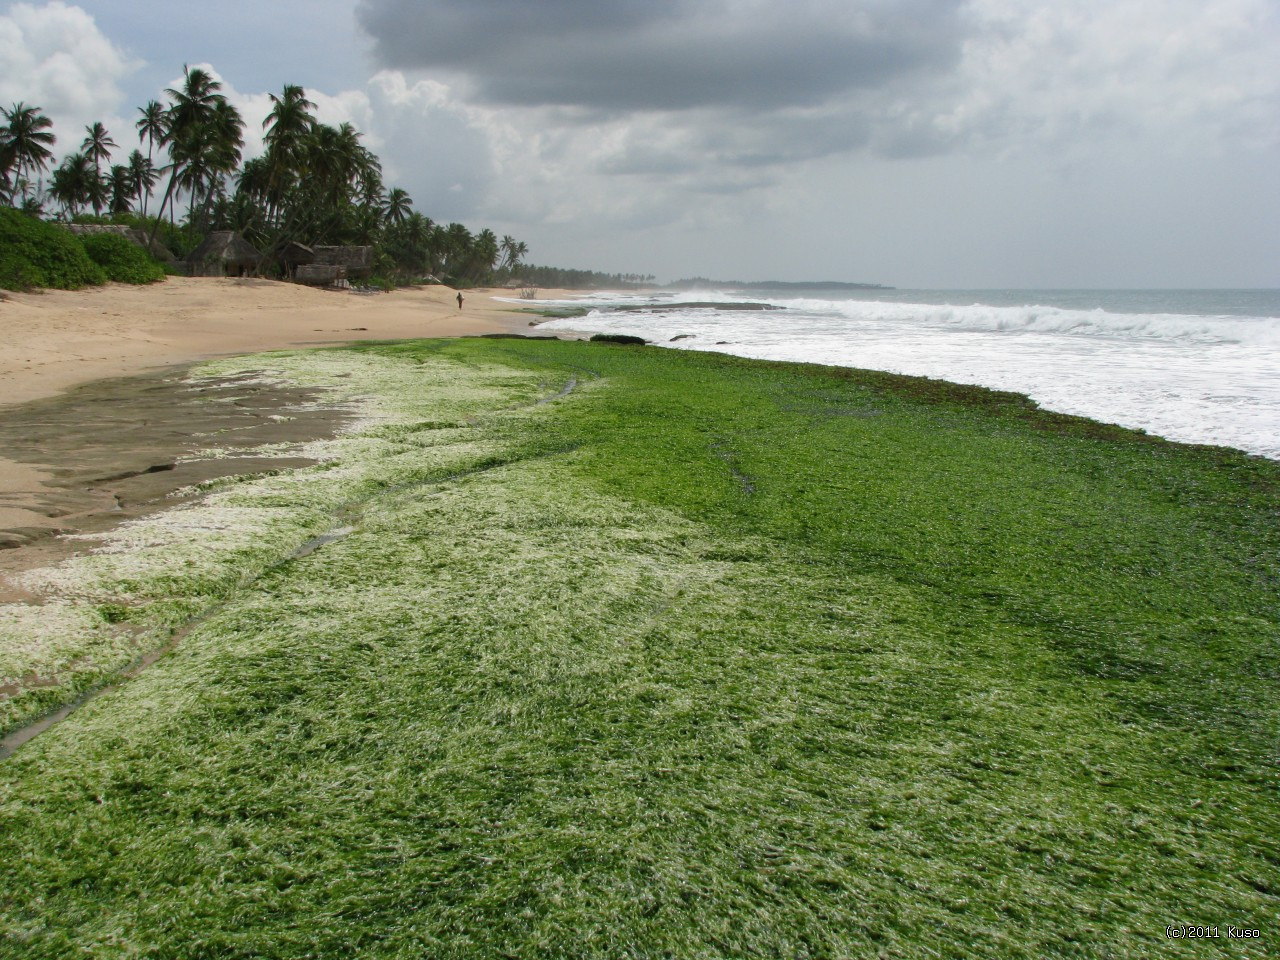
x=573, y=649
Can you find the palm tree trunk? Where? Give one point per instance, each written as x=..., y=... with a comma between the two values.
x=155, y=228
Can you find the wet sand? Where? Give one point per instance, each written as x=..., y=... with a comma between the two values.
x=116, y=449
x=98, y=423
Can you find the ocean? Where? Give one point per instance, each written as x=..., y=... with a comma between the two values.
x=1198, y=366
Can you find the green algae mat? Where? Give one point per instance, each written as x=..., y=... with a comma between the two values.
x=580, y=650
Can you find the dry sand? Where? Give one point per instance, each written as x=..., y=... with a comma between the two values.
x=77, y=443
x=57, y=339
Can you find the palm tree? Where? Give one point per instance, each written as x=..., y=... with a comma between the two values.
x=289, y=121
x=225, y=143
x=97, y=147
x=25, y=141
x=512, y=251
x=484, y=254
x=73, y=183
x=122, y=188
x=188, y=119
x=452, y=248
x=398, y=205
x=98, y=144
x=7, y=161
x=142, y=177
x=288, y=126
x=153, y=125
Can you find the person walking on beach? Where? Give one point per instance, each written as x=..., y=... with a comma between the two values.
x=459, y=299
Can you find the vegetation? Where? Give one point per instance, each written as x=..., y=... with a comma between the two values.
x=315, y=184
x=582, y=279
x=36, y=254
x=657, y=653
x=25, y=142
x=122, y=260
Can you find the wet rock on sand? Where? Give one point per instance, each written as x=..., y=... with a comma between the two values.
x=109, y=451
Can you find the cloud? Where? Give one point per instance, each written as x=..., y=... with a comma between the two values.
x=1185, y=71
x=907, y=78
x=664, y=55
x=55, y=57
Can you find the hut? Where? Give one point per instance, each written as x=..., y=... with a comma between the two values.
x=156, y=249
x=294, y=255
x=319, y=274
x=224, y=253
x=356, y=261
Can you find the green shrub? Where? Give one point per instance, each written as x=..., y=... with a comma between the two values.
x=180, y=240
x=122, y=259
x=36, y=254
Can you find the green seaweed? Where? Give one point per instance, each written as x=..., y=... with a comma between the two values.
x=703, y=657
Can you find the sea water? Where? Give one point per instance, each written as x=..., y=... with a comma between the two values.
x=1198, y=366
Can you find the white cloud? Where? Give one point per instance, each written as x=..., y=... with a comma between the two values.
x=1191, y=73
x=53, y=56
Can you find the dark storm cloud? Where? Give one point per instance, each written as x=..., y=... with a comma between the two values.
x=665, y=54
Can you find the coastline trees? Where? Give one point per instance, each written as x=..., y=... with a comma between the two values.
x=314, y=183
x=142, y=177
x=73, y=183
x=97, y=147
x=398, y=205
x=25, y=142
x=202, y=134
x=151, y=127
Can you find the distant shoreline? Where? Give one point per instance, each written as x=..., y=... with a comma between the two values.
x=695, y=283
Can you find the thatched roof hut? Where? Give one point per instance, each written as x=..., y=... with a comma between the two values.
x=319, y=274
x=294, y=254
x=224, y=253
x=358, y=261
x=156, y=249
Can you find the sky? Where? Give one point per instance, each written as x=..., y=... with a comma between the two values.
x=915, y=143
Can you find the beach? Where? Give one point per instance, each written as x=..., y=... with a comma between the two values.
x=557, y=647
x=104, y=418
x=56, y=339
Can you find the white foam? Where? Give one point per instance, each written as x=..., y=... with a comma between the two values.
x=1199, y=379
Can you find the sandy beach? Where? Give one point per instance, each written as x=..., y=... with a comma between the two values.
x=56, y=339
x=92, y=418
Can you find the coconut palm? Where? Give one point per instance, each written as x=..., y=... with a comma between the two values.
x=152, y=126
x=512, y=251
x=25, y=140
x=74, y=183
x=287, y=125
x=409, y=243
x=484, y=255
x=210, y=153
x=97, y=147
x=398, y=205
x=289, y=121
x=122, y=189
x=188, y=133
x=142, y=177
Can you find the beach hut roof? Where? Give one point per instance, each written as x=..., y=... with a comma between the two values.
x=227, y=246
x=358, y=257
x=156, y=248
x=297, y=253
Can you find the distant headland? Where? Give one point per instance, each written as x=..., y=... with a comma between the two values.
x=702, y=283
